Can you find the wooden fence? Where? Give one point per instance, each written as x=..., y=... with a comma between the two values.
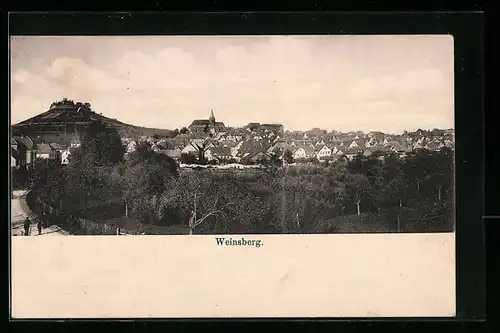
x=79, y=225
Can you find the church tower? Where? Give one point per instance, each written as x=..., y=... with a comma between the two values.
x=212, y=118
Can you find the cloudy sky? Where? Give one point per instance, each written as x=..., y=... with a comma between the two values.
x=386, y=83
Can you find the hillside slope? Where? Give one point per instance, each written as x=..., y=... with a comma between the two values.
x=67, y=118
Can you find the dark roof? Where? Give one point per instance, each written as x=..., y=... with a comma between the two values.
x=44, y=148
x=56, y=145
x=251, y=146
x=206, y=122
x=271, y=125
x=354, y=150
x=308, y=149
x=380, y=148
x=318, y=148
x=200, y=122
x=398, y=146
x=255, y=156
x=26, y=141
x=221, y=151
x=14, y=153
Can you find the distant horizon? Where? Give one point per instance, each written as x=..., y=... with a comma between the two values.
x=386, y=83
x=329, y=130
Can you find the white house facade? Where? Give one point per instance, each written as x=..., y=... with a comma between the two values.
x=323, y=153
x=65, y=156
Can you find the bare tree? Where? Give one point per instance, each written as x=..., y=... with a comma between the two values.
x=216, y=209
x=358, y=188
x=201, y=148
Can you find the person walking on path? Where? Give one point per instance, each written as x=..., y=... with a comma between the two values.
x=39, y=226
x=27, y=225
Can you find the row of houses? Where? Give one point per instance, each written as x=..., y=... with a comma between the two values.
x=252, y=150
x=227, y=146
x=213, y=149
x=24, y=151
x=359, y=135
x=322, y=150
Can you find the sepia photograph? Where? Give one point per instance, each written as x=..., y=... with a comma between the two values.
x=231, y=135
x=260, y=175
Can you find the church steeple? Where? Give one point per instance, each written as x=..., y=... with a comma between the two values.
x=212, y=118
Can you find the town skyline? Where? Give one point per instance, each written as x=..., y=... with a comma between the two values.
x=345, y=83
x=271, y=123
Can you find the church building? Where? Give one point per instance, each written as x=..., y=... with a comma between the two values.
x=209, y=124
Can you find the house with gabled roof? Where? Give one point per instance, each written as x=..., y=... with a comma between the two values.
x=323, y=152
x=218, y=153
x=320, y=142
x=250, y=146
x=398, y=147
x=191, y=147
x=379, y=150
x=255, y=157
x=221, y=136
x=304, y=151
x=418, y=145
x=334, y=150
x=337, y=152
x=432, y=146
x=351, y=152
x=278, y=147
x=355, y=144
x=23, y=149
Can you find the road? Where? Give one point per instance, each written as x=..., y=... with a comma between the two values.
x=20, y=210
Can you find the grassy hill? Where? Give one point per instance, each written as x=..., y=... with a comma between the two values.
x=67, y=118
x=132, y=130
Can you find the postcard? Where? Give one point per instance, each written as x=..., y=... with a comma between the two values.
x=255, y=176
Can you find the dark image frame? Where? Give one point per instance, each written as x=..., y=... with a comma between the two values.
x=467, y=29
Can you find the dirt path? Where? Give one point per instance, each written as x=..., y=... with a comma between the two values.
x=20, y=210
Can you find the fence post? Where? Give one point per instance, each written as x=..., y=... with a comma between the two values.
x=399, y=230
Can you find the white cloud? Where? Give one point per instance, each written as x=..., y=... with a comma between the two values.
x=429, y=81
x=76, y=74
x=301, y=82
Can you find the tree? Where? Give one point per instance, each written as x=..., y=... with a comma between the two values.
x=188, y=159
x=418, y=167
x=216, y=209
x=46, y=179
x=199, y=199
x=288, y=157
x=102, y=144
x=146, y=176
x=183, y=130
x=273, y=161
x=201, y=148
x=443, y=176
x=358, y=189
x=20, y=177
